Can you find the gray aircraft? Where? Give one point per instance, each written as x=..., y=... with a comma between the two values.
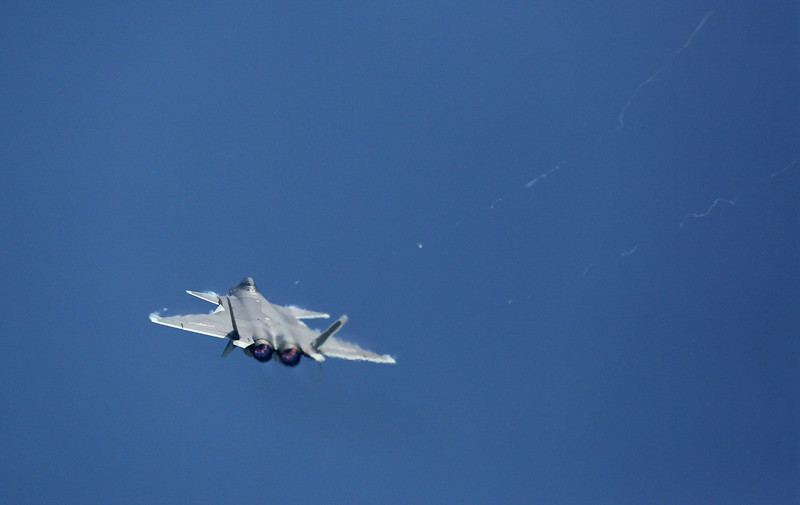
x=262, y=329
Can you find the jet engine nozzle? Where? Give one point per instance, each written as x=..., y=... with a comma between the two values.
x=290, y=356
x=262, y=351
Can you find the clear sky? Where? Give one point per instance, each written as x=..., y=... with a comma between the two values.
x=574, y=224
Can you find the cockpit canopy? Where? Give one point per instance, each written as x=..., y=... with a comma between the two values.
x=248, y=284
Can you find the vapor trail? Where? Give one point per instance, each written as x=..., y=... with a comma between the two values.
x=704, y=214
x=541, y=176
x=689, y=40
x=630, y=251
x=784, y=169
x=621, y=118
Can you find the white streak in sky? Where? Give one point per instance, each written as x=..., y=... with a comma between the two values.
x=586, y=270
x=689, y=40
x=492, y=206
x=704, y=214
x=621, y=118
x=419, y=245
x=630, y=251
x=541, y=176
x=784, y=169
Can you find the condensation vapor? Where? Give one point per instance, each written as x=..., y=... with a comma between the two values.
x=706, y=213
x=621, y=118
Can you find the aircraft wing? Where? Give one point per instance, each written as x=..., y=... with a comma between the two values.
x=217, y=324
x=336, y=348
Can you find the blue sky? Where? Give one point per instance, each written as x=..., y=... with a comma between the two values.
x=574, y=224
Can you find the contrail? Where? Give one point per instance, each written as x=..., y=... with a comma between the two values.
x=699, y=26
x=541, y=176
x=784, y=169
x=704, y=214
x=630, y=251
x=621, y=118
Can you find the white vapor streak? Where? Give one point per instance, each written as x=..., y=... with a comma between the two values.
x=541, y=176
x=699, y=26
x=621, y=118
x=784, y=169
x=704, y=214
x=630, y=251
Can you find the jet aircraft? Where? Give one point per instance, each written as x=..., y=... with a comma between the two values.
x=264, y=330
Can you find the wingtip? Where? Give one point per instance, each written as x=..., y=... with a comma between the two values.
x=208, y=296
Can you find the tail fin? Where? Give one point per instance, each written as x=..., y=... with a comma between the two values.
x=327, y=333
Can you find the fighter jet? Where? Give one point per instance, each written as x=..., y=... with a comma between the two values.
x=264, y=330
